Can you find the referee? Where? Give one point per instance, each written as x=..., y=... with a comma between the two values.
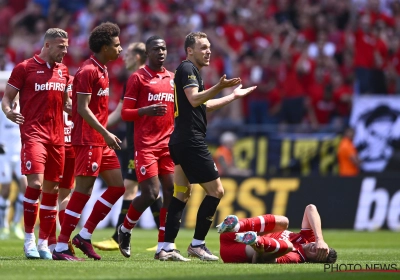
x=188, y=149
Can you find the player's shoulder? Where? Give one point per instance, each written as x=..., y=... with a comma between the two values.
x=136, y=76
x=25, y=63
x=186, y=65
x=86, y=68
x=170, y=73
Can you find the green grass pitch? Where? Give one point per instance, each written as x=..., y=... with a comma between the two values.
x=364, y=248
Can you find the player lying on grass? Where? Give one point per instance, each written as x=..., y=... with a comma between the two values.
x=264, y=239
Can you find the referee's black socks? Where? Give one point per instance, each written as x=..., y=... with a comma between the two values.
x=173, y=222
x=155, y=210
x=205, y=216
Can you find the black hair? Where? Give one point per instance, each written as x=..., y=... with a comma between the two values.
x=151, y=39
x=102, y=35
x=332, y=256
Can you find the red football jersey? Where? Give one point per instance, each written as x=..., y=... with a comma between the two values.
x=303, y=237
x=91, y=78
x=148, y=87
x=68, y=124
x=41, y=89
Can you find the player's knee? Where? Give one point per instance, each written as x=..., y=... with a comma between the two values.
x=35, y=184
x=150, y=194
x=285, y=246
x=63, y=194
x=281, y=223
x=311, y=207
x=219, y=192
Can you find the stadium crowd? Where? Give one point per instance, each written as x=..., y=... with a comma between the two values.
x=308, y=57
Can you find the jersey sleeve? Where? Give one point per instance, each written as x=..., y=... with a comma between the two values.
x=84, y=81
x=18, y=77
x=187, y=76
x=308, y=234
x=132, y=87
x=291, y=257
x=123, y=93
x=69, y=85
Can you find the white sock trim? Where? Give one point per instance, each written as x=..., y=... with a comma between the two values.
x=262, y=220
x=45, y=207
x=125, y=230
x=31, y=201
x=130, y=220
x=105, y=202
x=278, y=246
x=71, y=213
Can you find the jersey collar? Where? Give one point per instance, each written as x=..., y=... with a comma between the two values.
x=38, y=59
x=153, y=73
x=301, y=252
x=98, y=63
x=192, y=64
x=41, y=61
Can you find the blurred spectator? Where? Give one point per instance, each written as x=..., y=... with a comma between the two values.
x=348, y=160
x=6, y=15
x=224, y=157
x=278, y=44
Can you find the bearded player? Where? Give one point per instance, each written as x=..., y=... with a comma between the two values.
x=41, y=82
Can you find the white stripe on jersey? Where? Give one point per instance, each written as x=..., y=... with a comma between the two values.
x=13, y=86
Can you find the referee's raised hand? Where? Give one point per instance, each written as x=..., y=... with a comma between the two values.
x=240, y=92
x=226, y=83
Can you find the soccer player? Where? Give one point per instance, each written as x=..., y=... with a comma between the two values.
x=67, y=182
x=264, y=239
x=134, y=59
x=10, y=166
x=149, y=102
x=193, y=161
x=93, y=144
x=41, y=83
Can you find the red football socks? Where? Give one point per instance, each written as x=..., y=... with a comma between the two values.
x=161, y=230
x=72, y=215
x=30, y=208
x=271, y=245
x=47, y=214
x=103, y=206
x=132, y=217
x=264, y=223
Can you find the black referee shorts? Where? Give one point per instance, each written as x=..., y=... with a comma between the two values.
x=195, y=159
x=130, y=172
